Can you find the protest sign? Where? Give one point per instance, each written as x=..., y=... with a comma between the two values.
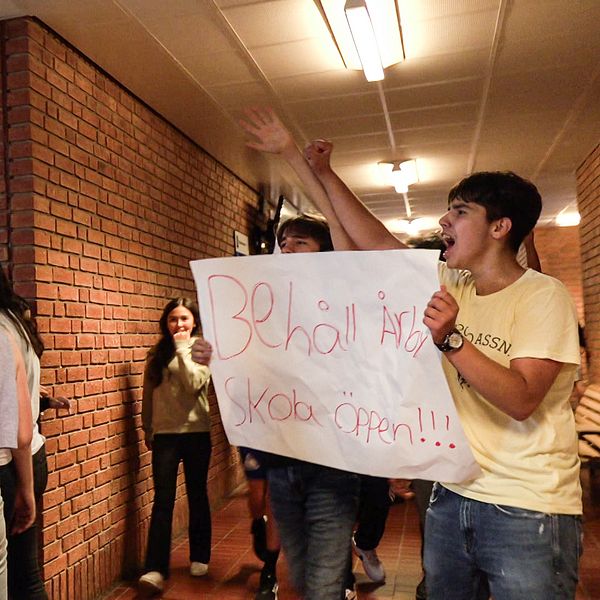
x=324, y=357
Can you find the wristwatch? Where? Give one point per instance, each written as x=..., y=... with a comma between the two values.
x=453, y=341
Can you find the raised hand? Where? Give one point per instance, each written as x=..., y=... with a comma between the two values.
x=440, y=314
x=318, y=156
x=201, y=352
x=181, y=335
x=271, y=133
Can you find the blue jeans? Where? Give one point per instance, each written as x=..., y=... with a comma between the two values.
x=520, y=554
x=167, y=450
x=315, y=508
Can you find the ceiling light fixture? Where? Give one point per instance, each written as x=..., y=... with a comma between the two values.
x=412, y=227
x=400, y=174
x=568, y=219
x=367, y=33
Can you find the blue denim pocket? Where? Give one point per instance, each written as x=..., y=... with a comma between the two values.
x=436, y=492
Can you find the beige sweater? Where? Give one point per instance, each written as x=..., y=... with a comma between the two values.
x=180, y=403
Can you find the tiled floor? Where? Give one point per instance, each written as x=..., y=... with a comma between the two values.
x=234, y=570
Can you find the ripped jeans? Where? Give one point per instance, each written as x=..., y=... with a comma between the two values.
x=474, y=549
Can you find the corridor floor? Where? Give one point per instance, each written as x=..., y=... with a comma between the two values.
x=234, y=570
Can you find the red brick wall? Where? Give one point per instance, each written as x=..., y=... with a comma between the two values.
x=588, y=199
x=108, y=204
x=559, y=250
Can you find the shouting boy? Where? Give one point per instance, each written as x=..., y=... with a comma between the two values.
x=509, y=340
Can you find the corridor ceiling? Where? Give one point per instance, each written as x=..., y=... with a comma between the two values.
x=486, y=85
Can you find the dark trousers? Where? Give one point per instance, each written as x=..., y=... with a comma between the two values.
x=167, y=450
x=422, y=489
x=24, y=573
x=373, y=510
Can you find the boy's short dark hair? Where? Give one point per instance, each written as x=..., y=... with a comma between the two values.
x=502, y=194
x=307, y=226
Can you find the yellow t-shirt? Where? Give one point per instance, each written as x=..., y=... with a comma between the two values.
x=531, y=464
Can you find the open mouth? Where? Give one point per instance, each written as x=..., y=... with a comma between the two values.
x=448, y=240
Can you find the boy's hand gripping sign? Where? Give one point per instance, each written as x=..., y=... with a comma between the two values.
x=324, y=357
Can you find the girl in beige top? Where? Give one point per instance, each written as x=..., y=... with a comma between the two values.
x=175, y=419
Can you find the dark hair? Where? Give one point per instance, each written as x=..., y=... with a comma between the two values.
x=162, y=352
x=502, y=194
x=308, y=226
x=18, y=311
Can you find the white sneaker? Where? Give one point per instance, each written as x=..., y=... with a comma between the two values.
x=198, y=569
x=152, y=582
x=371, y=563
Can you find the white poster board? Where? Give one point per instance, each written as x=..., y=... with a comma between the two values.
x=324, y=357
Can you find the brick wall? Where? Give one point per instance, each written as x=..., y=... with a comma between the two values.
x=559, y=250
x=108, y=203
x=588, y=199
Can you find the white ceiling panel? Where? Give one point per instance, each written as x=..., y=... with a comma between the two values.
x=275, y=22
x=495, y=84
x=219, y=68
x=297, y=58
x=434, y=94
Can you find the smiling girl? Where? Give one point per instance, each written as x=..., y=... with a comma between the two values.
x=175, y=419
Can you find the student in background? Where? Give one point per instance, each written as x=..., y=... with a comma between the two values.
x=265, y=535
x=24, y=573
x=15, y=435
x=175, y=419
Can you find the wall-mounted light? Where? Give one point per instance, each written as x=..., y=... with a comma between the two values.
x=567, y=219
x=367, y=33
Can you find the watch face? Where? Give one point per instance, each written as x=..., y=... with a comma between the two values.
x=455, y=340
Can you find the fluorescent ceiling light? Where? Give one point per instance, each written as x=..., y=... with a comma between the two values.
x=364, y=39
x=375, y=26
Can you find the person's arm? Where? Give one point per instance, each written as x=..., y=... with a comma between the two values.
x=47, y=401
x=201, y=352
x=364, y=228
x=192, y=375
x=147, y=389
x=274, y=138
x=24, y=511
x=517, y=390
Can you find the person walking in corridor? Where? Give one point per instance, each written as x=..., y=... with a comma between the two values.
x=175, y=419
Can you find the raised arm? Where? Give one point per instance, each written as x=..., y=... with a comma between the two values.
x=363, y=227
x=274, y=138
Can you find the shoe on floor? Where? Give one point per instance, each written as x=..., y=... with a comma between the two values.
x=259, y=537
x=421, y=590
x=268, y=587
x=198, y=569
x=152, y=582
x=371, y=563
